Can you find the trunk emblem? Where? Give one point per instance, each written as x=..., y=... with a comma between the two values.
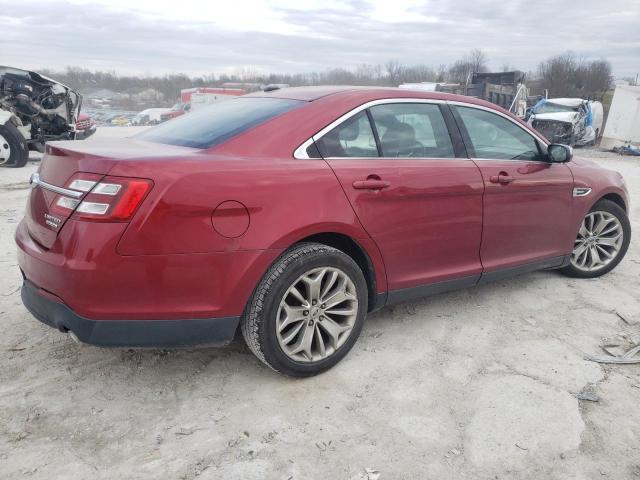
x=53, y=222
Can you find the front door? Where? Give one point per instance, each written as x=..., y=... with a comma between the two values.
x=527, y=200
x=420, y=204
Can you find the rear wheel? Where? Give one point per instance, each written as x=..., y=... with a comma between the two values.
x=308, y=310
x=13, y=148
x=601, y=243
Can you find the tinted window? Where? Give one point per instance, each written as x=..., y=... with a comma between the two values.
x=493, y=136
x=211, y=125
x=412, y=130
x=352, y=138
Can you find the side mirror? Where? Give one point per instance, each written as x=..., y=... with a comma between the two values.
x=559, y=153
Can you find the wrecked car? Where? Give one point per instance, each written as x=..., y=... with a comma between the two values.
x=33, y=110
x=571, y=121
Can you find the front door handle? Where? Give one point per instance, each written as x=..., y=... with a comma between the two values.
x=503, y=178
x=370, y=184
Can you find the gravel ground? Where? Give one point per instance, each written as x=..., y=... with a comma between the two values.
x=477, y=384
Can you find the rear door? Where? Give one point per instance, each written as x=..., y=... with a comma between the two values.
x=419, y=201
x=527, y=201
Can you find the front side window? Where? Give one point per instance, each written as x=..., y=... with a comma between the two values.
x=494, y=137
x=213, y=124
x=352, y=138
x=412, y=130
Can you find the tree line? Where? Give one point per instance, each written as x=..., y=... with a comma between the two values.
x=562, y=75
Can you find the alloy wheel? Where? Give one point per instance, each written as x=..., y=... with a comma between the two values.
x=599, y=241
x=317, y=314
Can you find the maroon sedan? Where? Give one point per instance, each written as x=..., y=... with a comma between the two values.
x=293, y=213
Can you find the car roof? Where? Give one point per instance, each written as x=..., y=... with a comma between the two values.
x=307, y=94
x=365, y=94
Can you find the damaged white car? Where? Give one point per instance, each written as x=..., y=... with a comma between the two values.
x=571, y=121
x=33, y=109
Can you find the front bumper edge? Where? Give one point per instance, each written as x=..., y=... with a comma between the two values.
x=127, y=333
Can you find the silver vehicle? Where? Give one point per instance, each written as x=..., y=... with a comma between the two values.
x=33, y=110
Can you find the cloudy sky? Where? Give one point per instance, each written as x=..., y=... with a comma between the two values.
x=212, y=36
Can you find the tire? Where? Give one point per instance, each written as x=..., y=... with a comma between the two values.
x=603, y=209
x=263, y=315
x=11, y=140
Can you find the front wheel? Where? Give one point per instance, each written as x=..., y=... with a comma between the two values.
x=308, y=310
x=601, y=243
x=13, y=148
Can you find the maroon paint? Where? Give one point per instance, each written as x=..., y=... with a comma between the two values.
x=526, y=219
x=427, y=222
x=179, y=257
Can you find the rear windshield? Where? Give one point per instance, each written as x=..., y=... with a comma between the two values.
x=211, y=125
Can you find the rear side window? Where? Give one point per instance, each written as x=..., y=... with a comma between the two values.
x=211, y=125
x=352, y=138
x=494, y=137
x=412, y=130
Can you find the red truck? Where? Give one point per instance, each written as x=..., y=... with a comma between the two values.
x=184, y=104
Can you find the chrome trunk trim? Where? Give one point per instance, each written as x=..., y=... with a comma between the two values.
x=35, y=181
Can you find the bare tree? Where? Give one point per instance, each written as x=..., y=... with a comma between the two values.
x=566, y=75
x=633, y=81
x=367, y=74
x=477, y=60
x=461, y=70
x=417, y=73
x=394, y=70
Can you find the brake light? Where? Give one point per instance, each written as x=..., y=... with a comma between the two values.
x=107, y=199
x=132, y=196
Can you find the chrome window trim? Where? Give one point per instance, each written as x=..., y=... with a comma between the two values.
x=301, y=151
x=421, y=159
x=35, y=181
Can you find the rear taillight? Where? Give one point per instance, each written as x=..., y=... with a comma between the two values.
x=107, y=199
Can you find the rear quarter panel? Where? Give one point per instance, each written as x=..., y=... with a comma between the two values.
x=286, y=200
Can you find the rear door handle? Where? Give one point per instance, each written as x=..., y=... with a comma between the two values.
x=370, y=184
x=502, y=177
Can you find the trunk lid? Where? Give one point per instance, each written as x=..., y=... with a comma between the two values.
x=61, y=162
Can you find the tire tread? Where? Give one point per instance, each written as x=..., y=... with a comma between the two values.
x=252, y=324
x=615, y=209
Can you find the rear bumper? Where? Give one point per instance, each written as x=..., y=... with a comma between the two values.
x=84, y=271
x=52, y=311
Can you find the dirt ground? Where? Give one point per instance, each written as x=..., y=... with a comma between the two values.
x=482, y=383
